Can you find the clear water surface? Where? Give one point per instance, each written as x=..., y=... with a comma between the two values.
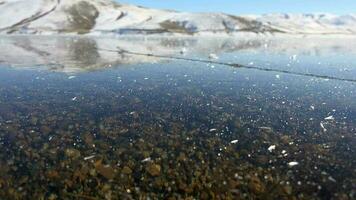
x=80, y=122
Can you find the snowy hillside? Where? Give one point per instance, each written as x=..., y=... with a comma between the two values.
x=310, y=23
x=105, y=16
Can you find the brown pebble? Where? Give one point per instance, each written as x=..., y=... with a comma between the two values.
x=105, y=170
x=153, y=169
x=126, y=170
x=72, y=153
x=256, y=186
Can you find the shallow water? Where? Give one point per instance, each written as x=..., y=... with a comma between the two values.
x=80, y=122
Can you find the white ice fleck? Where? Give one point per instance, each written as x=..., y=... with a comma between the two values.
x=147, y=160
x=293, y=57
x=329, y=118
x=294, y=163
x=146, y=78
x=89, y=157
x=271, y=148
x=278, y=76
x=251, y=63
x=312, y=107
x=234, y=141
x=71, y=77
x=74, y=98
x=331, y=179
x=323, y=127
x=213, y=56
x=183, y=50
x=212, y=130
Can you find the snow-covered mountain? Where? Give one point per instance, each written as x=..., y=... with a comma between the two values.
x=310, y=23
x=106, y=16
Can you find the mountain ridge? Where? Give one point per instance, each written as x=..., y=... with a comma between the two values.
x=106, y=16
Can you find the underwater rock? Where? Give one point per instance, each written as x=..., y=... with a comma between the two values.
x=256, y=185
x=105, y=170
x=126, y=170
x=72, y=153
x=153, y=169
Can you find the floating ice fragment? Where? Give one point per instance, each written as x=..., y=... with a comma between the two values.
x=292, y=164
x=331, y=179
x=312, y=107
x=74, y=98
x=278, y=76
x=284, y=153
x=271, y=148
x=293, y=57
x=147, y=160
x=213, y=56
x=212, y=130
x=71, y=77
x=251, y=63
x=323, y=127
x=183, y=50
x=329, y=118
x=234, y=141
x=89, y=157
x=146, y=78
x=265, y=128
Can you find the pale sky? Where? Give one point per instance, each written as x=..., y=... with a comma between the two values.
x=252, y=6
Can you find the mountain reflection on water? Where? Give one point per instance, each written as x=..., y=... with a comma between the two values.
x=80, y=122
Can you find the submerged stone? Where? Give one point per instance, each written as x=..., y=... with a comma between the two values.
x=153, y=169
x=72, y=153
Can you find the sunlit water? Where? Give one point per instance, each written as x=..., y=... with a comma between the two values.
x=78, y=122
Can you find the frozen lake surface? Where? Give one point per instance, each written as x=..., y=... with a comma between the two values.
x=203, y=118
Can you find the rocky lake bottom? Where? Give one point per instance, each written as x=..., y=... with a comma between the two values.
x=82, y=119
